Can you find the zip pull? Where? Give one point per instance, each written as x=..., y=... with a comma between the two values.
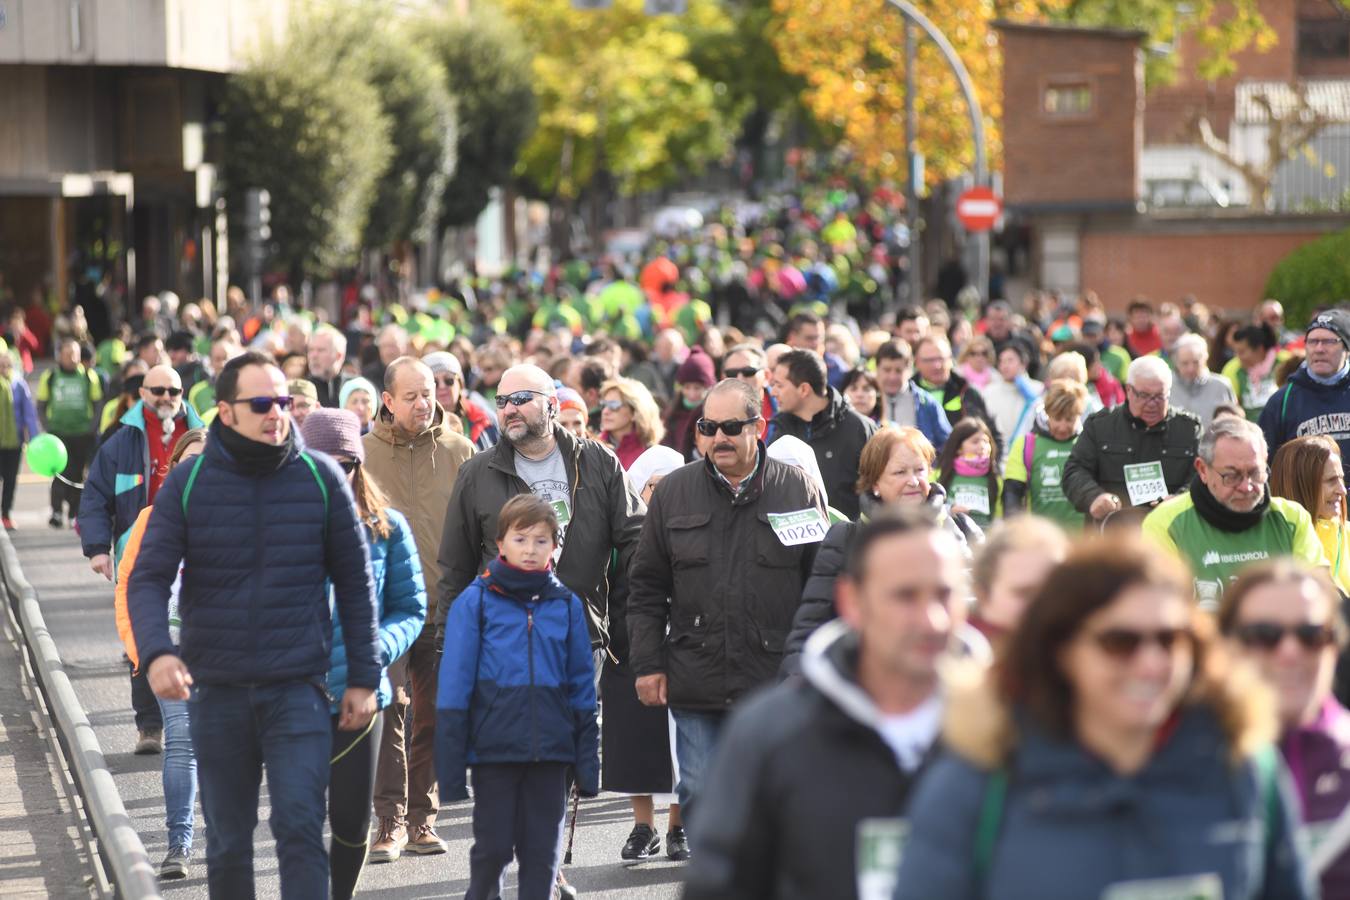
x=529, y=620
x=698, y=620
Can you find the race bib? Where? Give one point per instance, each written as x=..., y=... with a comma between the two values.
x=974, y=497
x=1144, y=482
x=805, y=526
x=563, y=512
x=879, y=843
x=1186, y=887
x=1050, y=475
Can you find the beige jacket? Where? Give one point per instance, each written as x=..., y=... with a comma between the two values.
x=418, y=475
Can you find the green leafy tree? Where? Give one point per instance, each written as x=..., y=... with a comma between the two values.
x=487, y=64
x=1314, y=276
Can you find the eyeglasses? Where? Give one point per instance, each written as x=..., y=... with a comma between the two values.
x=729, y=427
x=262, y=405
x=1145, y=397
x=1268, y=635
x=612, y=405
x=519, y=398
x=161, y=391
x=1123, y=644
x=742, y=372
x=1321, y=342
x=349, y=465
x=1257, y=477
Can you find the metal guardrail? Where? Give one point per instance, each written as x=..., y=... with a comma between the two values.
x=124, y=856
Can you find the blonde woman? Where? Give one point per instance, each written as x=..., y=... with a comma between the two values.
x=630, y=420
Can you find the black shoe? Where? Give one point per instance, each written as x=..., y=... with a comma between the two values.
x=677, y=844
x=175, y=865
x=55, y=521
x=643, y=843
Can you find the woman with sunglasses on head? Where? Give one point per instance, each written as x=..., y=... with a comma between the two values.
x=630, y=421
x=402, y=609
x=1285, y=619
x=1111, y=751
x=1308, y=470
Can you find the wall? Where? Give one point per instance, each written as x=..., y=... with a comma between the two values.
x=1224, y=262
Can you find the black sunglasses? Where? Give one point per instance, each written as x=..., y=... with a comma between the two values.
x=349, y=465
x=519, y=398
x=1123, y=643
x=161, y=391
x=730, y=427
x=447, y=382
x=742, y=372
x=1268, y=635
x=261, y=405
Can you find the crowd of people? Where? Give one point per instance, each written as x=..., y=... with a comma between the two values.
x=914, y=601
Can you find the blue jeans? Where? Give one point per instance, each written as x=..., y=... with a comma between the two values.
x=179, y=773
x=696, y=736
x=237, y=730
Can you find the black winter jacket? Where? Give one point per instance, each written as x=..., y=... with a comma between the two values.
x=606, y=516
x=713, y=568
x=837, y=435
x=1113, y=439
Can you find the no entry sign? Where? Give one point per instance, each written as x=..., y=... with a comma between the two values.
x=978, y=209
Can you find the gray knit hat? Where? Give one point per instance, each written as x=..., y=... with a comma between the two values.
x=336, y=432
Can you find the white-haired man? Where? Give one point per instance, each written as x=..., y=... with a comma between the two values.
x=1138, y=453
x=1196, y=389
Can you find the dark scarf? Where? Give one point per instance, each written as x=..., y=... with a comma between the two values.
x=522, y=584
x=1220, y=516
x=254, y=457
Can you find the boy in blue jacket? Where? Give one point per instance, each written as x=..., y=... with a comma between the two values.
x=516, y=702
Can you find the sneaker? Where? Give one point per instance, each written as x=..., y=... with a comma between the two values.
x=677, y=844
x=425, y=842
x=643, y=843
x=175, y=865
x=562, y=890
x=149, y=742
x=9, y=524
x=56, y=521
x=391, y=840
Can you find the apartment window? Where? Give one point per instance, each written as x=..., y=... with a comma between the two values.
x=1067, y=99
x=1324, y=39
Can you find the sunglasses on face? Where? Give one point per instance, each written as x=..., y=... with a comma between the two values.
x=612, y=405
x=519, y=398
x=1123, y=644
x=161, y=391
x=1268, y=635
x=447, y=382
x=742, y=372
x=261, y=405
x=729, y=427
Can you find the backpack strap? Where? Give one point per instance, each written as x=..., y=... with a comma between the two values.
x=1284, y=404
x=323, y=488
x=1268, y=777
x=991, y=817
x=192, y=479
x=1028, y=451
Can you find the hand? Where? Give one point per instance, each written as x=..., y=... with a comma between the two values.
x=1103, y=506
x=102, y=565
x=169, y=678
x=960, y=510
x=651, y=689
x=358, y=708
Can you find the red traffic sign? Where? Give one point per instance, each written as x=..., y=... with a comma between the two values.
x=978, y=209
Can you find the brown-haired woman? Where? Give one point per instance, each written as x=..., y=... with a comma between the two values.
x=1112, y=752
x=1308, y=470
x=1285, y=618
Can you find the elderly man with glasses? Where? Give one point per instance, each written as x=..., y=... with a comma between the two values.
x=1137, y=454
x=124, y=478
x=1228, y=519
x=726, y=549
x=1316, y=400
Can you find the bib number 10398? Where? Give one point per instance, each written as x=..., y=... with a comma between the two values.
x=1145, y=483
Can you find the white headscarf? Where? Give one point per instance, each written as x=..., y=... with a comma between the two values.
x=658, y=460
x=796, y=452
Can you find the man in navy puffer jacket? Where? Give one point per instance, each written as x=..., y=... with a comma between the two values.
x=262, y=527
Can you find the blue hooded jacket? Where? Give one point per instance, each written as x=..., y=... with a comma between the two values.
x=400, y=604
x=115, y=490
x=517, y=681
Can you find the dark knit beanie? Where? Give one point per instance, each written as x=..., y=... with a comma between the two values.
x=1337, y=321
x=336, y=432
x=697, y=368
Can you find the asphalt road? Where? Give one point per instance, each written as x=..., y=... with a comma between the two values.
x=77, y=605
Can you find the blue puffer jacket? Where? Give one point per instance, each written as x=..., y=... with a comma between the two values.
x=517, y=680
x=115, y=489
x=1303, y=407
x=257, y=559
x=1069, y=827
x=400, y=603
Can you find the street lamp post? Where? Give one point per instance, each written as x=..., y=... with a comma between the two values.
x=913, y=15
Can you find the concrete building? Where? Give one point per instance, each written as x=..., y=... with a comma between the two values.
x=107, y=149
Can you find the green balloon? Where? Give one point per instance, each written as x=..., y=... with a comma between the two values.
x=47, y=455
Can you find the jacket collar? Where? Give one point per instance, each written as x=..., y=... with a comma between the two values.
x=135, y=416
x=519, y=584
x=504, y=454
x=384, y=429
x=751, y=488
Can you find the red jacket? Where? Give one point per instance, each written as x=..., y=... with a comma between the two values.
x=1111, y=392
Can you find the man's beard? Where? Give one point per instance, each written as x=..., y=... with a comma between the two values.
x=534, y=430
x=165, y=413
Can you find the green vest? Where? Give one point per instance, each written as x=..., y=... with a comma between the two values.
x=1216, y=556
x=972, y=492
x=70, y=400
x=1117, y=361
x=1254, y=395
x=1045, y=477
x=202, y=396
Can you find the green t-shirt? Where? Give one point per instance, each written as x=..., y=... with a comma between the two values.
x=1216, y=556
x=69, y=399
x=202, y=396
x=972, y=492
x=1044, y=481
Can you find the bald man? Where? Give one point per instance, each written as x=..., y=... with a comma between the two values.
x=123, y=479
